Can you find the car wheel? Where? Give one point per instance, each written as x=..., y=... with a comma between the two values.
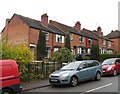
x=114, y=72
x=7, y=91
x=98, y=76
x=74, y=81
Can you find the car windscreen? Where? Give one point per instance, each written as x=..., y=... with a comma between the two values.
x=71, y=66
x=108, y=62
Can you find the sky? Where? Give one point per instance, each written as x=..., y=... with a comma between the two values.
x=90, y=13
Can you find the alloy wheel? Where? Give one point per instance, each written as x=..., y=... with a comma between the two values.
x=74, y=81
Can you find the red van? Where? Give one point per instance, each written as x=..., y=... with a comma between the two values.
x=9, y=77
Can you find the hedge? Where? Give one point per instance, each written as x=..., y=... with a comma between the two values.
x=106, y=56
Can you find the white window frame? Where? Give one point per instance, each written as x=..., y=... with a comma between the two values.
x=71, y=36
x=90, y=41
x=59, y=38
x=48, y=52
x=109, y=43
x=46, y=35
x=56, y=49
x=81, y=39
x=104, y=42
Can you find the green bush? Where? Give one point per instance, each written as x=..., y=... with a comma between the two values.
x=21, y=54
x=62, y=55
x=106, y=56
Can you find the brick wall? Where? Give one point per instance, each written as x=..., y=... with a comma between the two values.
x=17, y=31
x=116, y=45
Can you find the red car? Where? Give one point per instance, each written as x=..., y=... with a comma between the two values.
x=9, y=80
x=111, y=66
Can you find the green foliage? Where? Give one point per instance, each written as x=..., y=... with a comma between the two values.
x=62, y=55
x=95, y=54
x=67, y=41
x=41, y=46
x=21, y=54
x=106, y=56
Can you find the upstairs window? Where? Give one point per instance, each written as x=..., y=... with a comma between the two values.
x=109, y=43
x=59, y=38
x=71, y=36
x=46, y=35
x=104, y=42
x=81, y=39
x=90, y=41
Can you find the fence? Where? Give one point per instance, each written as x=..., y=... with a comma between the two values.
x=39, y=70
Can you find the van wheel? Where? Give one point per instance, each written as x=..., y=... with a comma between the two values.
x=7, y=91
x=73, y=81
x=98, y=76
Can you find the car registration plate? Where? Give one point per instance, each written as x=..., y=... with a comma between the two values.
x=54, y=80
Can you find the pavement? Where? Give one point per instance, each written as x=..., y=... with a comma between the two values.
x=34, y=85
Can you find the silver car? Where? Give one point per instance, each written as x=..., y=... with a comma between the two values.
x=75, y=72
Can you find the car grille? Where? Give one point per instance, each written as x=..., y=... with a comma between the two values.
x=54, y=76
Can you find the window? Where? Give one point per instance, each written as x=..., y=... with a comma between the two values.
x=82, y=50
x=81, y=39
x=59, y=38
x=109, y=43
x=95, y=64
x=71, y=36
x=89, y=65
x=103, y=42
x=48, y=52
x=90, y=41
x=56, y=49
x=83, y=65
x=46, y=35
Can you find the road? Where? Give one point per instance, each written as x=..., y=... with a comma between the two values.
x=106, y=84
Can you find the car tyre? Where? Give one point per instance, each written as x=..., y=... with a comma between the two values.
x=98, y=76
x=114, y=72
x=7, y=91
x=73, y=81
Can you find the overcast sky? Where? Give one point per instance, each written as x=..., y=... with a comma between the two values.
x=90, y=13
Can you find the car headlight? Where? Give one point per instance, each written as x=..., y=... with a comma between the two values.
x=109, y=68
x=63, y=76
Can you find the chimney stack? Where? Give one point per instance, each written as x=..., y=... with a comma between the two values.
x=77, y=26
x=44, y=19
x=99, y=31
x=7, y=21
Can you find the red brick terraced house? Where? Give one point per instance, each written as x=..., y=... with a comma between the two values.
x=20, y=29
x=105, y=44
x=115, y=37
x=80, y=41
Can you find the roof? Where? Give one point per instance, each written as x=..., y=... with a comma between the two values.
x=114, y=34
x=57, y=30
x=89, y=34
x=34, y=23
x=98, y=36
x=74, y=31
x=69, y=28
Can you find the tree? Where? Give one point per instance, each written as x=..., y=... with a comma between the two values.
x=41, y=46
x=62, y=55
x=95, y=54
x=67, y=41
